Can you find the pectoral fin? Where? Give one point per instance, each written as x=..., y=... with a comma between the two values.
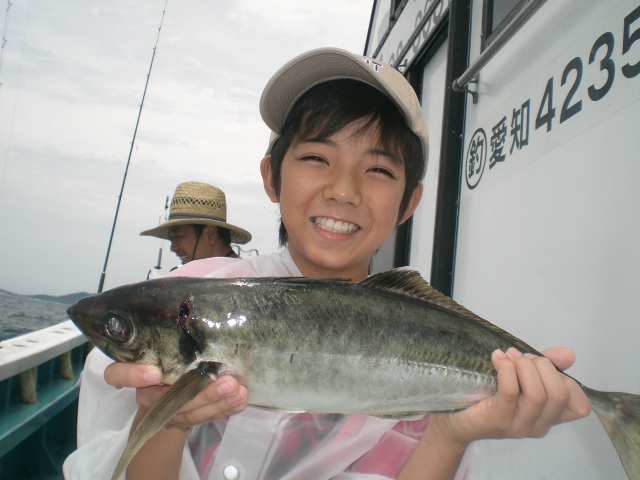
x=170, y=403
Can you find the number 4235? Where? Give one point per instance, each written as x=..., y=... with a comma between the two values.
x=606, y=42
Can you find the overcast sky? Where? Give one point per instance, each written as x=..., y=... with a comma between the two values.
x=72, y=76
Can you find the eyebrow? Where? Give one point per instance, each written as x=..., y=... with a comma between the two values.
x=385, y=153
x=323, y=140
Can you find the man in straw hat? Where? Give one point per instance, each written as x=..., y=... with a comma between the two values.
x=197, y=226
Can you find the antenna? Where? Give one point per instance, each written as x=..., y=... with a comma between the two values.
x=133, y=141
x=166, y=207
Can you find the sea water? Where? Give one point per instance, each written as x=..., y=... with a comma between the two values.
x=20, y=315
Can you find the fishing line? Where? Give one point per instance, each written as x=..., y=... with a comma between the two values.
x=15, y=103
x=4, y=39
x=133, y=141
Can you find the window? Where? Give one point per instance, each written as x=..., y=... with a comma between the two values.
x=496, y=16
x=395, y=9
x=379, y=25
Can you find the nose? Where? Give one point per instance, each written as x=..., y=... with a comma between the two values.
x=173, y=246
x=343, y=187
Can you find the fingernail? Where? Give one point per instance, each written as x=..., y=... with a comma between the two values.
x=153, y=375
x=499, y=354
x=225, y=388
x=514, y=352
x=530, y=356
x=235, y=398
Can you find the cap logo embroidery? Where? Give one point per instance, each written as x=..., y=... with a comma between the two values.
x=376, y=66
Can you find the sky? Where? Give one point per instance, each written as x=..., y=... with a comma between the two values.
x=72, y=74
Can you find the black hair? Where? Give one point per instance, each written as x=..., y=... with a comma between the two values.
x=335, y=104
x=199, y=228
x=224, y=234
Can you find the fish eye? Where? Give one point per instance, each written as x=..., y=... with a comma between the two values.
x=117, y=328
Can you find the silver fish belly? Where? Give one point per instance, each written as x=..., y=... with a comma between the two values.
x=303, y=352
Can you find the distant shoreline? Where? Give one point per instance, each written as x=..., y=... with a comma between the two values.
x=63, y=299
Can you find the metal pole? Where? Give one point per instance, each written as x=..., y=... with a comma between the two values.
x=460, y=84
x=126, y=170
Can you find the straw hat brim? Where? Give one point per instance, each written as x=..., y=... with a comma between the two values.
x=238, y=235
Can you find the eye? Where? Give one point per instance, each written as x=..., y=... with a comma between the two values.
x=117, y=328
x=312, y=158
x=383, y=171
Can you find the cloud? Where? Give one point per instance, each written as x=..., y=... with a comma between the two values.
x=72, y=78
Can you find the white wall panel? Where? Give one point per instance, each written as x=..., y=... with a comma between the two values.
x=432, y=107
x=548, y=240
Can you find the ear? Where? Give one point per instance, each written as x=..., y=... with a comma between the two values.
x=211, y=233
x=413, y=203
x=267, y=178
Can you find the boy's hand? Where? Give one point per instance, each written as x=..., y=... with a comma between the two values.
x=532, y=397
x=220, y=399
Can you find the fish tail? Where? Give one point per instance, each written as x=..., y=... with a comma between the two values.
x=619, y=413
x=164, y=409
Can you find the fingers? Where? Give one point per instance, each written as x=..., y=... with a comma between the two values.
x=556, y=396
x=561, y=357
x=505, y=402
x=217, y=401
x=532, y=400
x=131, y=375
x=578, y=406
x=542, y=399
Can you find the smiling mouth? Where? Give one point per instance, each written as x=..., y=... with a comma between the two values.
x=335, y=226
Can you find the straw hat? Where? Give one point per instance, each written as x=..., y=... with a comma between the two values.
x=198, y=204
x=323, y=64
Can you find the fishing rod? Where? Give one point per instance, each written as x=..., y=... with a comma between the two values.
x=133, y=141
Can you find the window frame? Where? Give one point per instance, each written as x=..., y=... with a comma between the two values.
x=488, y=32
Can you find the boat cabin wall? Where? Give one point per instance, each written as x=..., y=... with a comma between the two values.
x=545, y=227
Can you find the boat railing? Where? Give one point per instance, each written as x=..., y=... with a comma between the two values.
x=39, y=375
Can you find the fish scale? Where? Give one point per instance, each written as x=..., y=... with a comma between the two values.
x=390, y=345
x=337, y=352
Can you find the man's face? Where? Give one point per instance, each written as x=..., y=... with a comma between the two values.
x=183, y=241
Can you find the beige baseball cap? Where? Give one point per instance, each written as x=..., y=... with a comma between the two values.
x=323, y=64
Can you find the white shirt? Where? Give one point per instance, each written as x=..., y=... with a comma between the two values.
x=254, y=444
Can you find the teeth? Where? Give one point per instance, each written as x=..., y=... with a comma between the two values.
x=331, y=225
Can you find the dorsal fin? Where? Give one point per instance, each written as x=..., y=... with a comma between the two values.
x=410, y=283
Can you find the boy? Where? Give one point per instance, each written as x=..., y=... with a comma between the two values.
x=344, y=164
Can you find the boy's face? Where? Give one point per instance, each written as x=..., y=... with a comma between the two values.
x=339, y=201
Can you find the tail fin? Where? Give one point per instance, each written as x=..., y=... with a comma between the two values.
x=619, y=413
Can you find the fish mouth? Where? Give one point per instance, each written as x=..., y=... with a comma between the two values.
x=335, y=226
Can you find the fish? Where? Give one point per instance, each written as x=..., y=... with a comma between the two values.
x=390, y=345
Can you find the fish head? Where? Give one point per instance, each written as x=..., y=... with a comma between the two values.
x=141, y=323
